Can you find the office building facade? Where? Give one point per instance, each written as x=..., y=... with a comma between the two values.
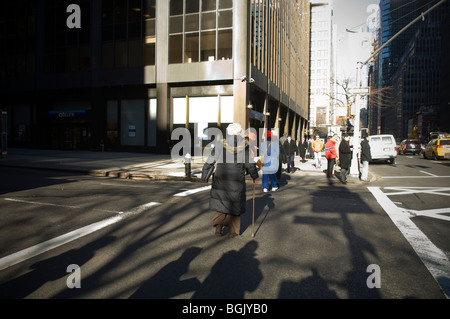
x=410, y=73
x=323, y=88
x=132, y=71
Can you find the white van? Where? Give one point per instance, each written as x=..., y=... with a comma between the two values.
x=383, y=147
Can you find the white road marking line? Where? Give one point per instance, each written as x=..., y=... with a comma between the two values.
x=40, y=203
x=429, y=173
x=193, y=191
x=55, y=205
x=434, y=258
x=418, y=190
x=433, y=213
x=415, y=176
x=122, y=185
x=38, y=249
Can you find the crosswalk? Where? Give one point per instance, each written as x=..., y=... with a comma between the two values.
x=433, y=257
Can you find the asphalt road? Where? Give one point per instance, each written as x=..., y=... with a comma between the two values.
x=141, y=239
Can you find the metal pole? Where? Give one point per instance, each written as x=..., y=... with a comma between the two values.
x=354, y=168
x=422, y=16
x=253, y=218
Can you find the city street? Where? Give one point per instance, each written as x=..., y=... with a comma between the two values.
x=153, y=239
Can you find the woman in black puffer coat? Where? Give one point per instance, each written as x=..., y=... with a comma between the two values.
x=228, y=192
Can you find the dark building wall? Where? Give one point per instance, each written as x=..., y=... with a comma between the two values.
x=92, y=77
x=411, y=67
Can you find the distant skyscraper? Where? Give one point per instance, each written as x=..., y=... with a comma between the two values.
x=408, y=72
x=395, y=14
x=322, y=64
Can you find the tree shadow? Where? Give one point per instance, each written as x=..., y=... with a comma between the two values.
x=340, y=202
x=51, y=269
x=22, y=179
x=260, y=205
x=313, y=287
x=166, y=283
x=235, y=273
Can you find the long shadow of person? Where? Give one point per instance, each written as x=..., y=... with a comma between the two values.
x=50, y=270
x=235, y=273
x=166, y=283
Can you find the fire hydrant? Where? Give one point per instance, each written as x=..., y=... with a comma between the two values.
x=187, y=165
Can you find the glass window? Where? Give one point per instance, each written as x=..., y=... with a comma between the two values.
x=107, y=12
x=176, y=7
x=192, y=23
x=133, y=122
x=225, y=44
x=386, y=140
x=121, y=12
x=150, y=29
x=226, y=19
x=112, y=126
x=135, y=53
x=149, y=9
x=176, y=24
x=226, y=109
x=120, y=31
x=179, y=111
x=203, y=109
x=121, y=54
x=192, y=6
x=108, y=33
x=134, y=30
x=175, y=48
x=72, y=59
x=208, y=21
x=85, y=57
x=191, y=48
x=225, y=4
x=208, y=46
x=152, y=126
x=135, y=11
x=108, y=55
x=150, y=51
x=208, y=5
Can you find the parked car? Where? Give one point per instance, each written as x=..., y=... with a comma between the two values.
x=383, y=147
x=412, y=146
x=437, y=149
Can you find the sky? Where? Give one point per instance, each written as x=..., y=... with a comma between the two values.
x=352, y=15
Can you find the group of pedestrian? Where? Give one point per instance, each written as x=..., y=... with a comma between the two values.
x=228, y=191
x=344, y=154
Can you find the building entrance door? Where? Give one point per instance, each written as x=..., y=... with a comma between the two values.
x=71, y=137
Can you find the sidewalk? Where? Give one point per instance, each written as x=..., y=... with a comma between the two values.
x=136, y=166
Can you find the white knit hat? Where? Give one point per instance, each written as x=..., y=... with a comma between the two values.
x=234, y=129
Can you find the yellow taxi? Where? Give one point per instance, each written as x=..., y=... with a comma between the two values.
x=437, y=149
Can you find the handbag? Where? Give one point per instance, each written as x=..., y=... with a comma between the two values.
x=260, y=162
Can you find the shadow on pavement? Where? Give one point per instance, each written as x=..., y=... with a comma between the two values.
x=166, y=283
x=51, y=269
x=233, y=274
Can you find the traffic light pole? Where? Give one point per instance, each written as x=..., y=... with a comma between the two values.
x=421, y=17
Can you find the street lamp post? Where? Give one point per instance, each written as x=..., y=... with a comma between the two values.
x=354, y=168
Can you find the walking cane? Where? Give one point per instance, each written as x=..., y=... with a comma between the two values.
x=253, y=218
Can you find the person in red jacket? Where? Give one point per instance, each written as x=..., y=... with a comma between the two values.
x=331, y=154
